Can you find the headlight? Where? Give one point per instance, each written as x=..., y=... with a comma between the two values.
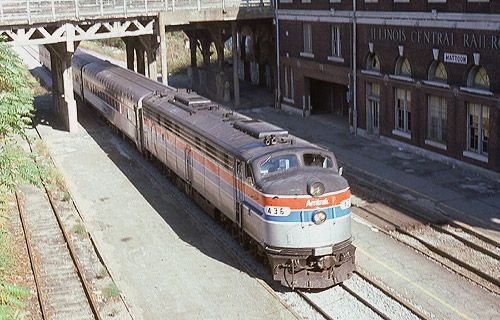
x=319, y=217
x=316, y=189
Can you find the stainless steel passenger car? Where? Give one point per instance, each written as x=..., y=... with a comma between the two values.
x=281, y=193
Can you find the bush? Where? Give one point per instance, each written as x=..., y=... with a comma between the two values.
x=16, y=97
x=16, y=112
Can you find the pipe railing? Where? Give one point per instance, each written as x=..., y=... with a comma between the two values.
x=42, y=11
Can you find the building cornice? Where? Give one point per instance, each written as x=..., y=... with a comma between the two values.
x=471, y=21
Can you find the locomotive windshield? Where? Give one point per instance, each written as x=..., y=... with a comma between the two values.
x=317, y=160
x=279, y=163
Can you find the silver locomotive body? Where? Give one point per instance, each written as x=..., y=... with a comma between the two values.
x=283, y=193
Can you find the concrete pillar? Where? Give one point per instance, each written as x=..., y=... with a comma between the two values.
x=217, y=38
x=141, y=63
x=205, y=46
x=62, y=84
x=151, y=54
x=163, y=48
x=192, y=46
x=149, y=45
x=236, y=79
x=129, y=47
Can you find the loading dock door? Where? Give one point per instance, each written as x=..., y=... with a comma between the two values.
x=328, y=98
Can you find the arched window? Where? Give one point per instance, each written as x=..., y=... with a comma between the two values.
x=403, y=67
x=373, y=62
x=478, y=78
x=437, y=72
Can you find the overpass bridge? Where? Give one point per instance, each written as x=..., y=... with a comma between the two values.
x=60, y=25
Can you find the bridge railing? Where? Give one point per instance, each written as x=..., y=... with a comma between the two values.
x=43, y=11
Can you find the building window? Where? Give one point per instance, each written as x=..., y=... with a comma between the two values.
x=307, y=29
x=478, y=118
x=403, y=67
x=373, y=62
x=403, y=110
x=336, y=42
x=478, y=78
x=436, y=119
x=437, y=72
x=289, y=88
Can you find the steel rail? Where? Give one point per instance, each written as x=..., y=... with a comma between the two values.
x=469, y=243
x=392, y=198
x=377, y=284
x=71, y=247
x=34, y=267
x=365, y=302
x=314, y=305
x=374, y=283
x=439, y=252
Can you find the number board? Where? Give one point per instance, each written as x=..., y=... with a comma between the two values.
x=277, y=211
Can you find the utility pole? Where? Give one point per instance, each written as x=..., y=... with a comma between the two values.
x=354, y=71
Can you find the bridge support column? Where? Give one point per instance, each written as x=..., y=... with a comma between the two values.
x=205, y=46
x=130, y=49
x=150, y=44
x=192, y=46
x=236, y=79
x=163, y=48
x=62, y=84
x=141, y=61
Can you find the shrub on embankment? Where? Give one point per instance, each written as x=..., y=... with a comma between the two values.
x=16, y=111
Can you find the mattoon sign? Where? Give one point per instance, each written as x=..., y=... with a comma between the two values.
x=455, y=58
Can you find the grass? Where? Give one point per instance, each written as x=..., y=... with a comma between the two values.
x=79, y=229
x=51, y=175
x=110, y=291
x=102, y=273
x=11, y=297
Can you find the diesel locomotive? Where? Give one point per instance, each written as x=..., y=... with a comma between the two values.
x=282, y=194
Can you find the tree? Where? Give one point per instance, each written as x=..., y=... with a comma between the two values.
x=16, y=112
x=16, y=97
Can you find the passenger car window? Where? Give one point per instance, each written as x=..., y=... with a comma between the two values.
x=317, y=160
x=278, y=164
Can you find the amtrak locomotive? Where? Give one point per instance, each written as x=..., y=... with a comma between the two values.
x=282, y=194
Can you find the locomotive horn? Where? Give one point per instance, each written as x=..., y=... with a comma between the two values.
x=274, y=140
x=267, y=141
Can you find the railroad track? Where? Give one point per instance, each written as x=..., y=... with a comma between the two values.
x=62, y=290
x=454, y=245
x=377, y=303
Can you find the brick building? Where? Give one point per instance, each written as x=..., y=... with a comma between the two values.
x=426, y=71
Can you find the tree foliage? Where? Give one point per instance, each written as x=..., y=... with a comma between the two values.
x=16, y=111
x=16, y=96
x=16, y=165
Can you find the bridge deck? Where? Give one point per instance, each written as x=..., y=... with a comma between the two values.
x=29, y=12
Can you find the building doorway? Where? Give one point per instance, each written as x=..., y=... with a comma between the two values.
x=328, y=98
x=373, y=108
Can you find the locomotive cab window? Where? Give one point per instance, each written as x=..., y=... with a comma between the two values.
x=317, y=160
x=277, y=164
x=249, y=175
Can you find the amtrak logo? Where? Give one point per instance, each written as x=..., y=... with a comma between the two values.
x=318, y=202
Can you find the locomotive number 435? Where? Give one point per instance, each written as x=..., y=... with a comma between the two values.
x=277, y=211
